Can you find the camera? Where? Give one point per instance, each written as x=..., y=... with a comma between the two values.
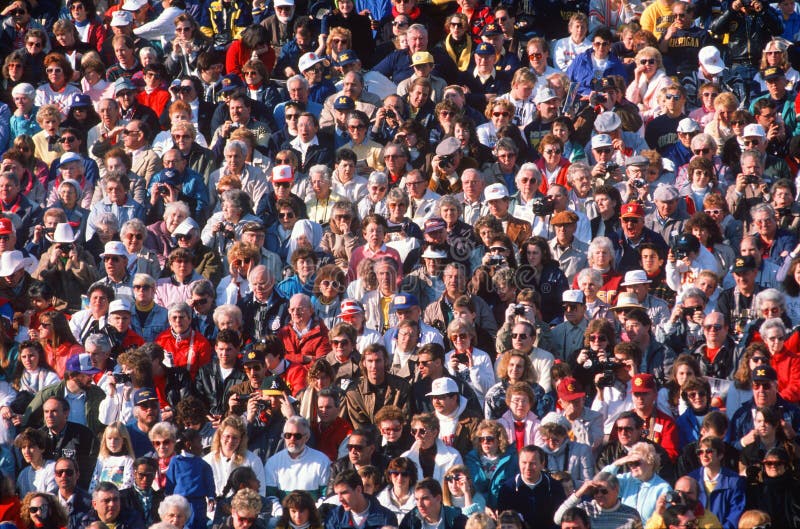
x=121, y=378
x=751, y=179
x=639, y=183
x=543, y=206
x=446, y=161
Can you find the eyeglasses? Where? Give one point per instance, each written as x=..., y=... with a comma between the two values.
x=487, y=439
x=65, y=472
x=519, y=336
x=419, y=431
x=672, y=97
x=54, y=70
x=699, y=152
x=713, y=327
x=704, y=451
x=295, y=436
x=644, y=62
x=67, y=139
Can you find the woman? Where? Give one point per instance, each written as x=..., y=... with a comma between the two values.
x=775, y=55
x=457, y=44
x=163, y=436
x=460, y=491
x=491, y=461
x=43, y=511
x=499, y=113
x=344, y=235
x=182, y=52
x=254, y=41
x=599, y=341
x=669, y=397
x=756, y=354
x=56, y=90
x=329, y=287
x=398, y=496
x=40, y=472
x=696, y=393
x=641, y=487
x=299, y=510
x=719, y=128
x=708, y=233
x=552, y=164
x=539, y=271
x=786, y=362
x=601, y=258
x=649, y=79
x=224, y=227
x=439, y=457
x=345, y=15
x=48, y=149
x=229, y=451
x=466, y=361
x=69, y=43
x=57, y=341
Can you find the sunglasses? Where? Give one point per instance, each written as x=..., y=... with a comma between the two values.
x=295, y=436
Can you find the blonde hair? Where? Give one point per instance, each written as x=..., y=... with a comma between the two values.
x=120, y=429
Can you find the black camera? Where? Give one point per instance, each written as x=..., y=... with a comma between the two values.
x=446, y=161
x=639, y=183
x=121, y=378
x=751, y=179
x=543, y=206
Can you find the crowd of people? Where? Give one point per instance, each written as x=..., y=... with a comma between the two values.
x=391, y=263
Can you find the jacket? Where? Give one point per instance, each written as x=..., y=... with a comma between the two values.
x=313, y=343
x=581, y=71
x=727, y=500
x=748, y=34
x=377, y=516
x=94, y=395
x=536, y=505
x=453, y=519
x=490, y=488
x=361, y=404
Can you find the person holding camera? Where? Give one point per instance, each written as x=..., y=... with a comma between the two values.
x=599, y=498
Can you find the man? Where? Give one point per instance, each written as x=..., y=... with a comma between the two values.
x=141, y=497
x=567, y=336
x=570, y=252
x=106, y=508
x=605, y=508
x=726, y=497
x=532, y=492
x=376, y=389
x=667, y=218
x=264, y=310
x=297, y=467
x=430, y=511
x=765, y=394
x=716, y=353
x=145, y=416
x=629, y=430
x=329, y=430
x=457, y=423
x=659, y=427
x=305, y=337
x=215, y=379
x=75, y=499
x=661, y=132
x=637, y=282
x=496, y=195
x=634, y=234
x=355, y=508
x=582, y=70
x=736, y=302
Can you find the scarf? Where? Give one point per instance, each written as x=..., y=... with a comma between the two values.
x=462, y=61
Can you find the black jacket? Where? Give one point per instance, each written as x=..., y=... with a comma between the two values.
x=78, y=443
x=212, y=389
x=130, y=502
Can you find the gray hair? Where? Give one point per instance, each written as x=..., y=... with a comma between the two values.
x=228, y=310
x=703, y=140
x=771, y=294
x=694, y=292
x=180, y=306
x=237, y=144
x=99, y=341
x=452, y=201
x=175, y=207
x=762, y=207
x=297, y=79
x=321, y=170
x=593, y=275
x=133, y=226
x=299, y=421
x=203, y=287
x=175, y=500
x=237, y=198
x=607, y=477
x=772, y=323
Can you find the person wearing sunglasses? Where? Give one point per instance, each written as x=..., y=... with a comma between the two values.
x=599, y=498
x=297, y=467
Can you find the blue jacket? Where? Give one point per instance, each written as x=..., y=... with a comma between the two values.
x=581, y=71
x=377, y=517
x=727, y=499
x=506, y=467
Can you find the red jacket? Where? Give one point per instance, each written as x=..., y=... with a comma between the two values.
x=787, y=365
x=314, y=343
x=180, y=351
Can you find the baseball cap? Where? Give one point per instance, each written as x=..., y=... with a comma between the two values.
x=643, y=383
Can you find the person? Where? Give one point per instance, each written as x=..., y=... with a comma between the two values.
x=297, y=466
x=354, y=505
x=430, y=509
x=532, y=492
x=641, y=487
